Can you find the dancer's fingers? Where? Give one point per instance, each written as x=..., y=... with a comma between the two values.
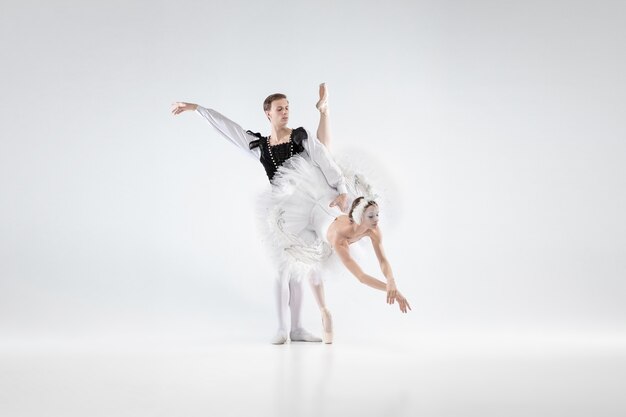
x=178, y=107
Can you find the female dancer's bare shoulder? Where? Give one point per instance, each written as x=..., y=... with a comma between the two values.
x=341, y=232
x=337, y=231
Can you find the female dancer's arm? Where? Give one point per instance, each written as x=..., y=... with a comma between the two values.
x=385, y=267
x=226, y=127
x=344, y=254
x=377, y=242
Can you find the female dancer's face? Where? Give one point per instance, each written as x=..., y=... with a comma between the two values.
x=370, y=216
x=279, y=112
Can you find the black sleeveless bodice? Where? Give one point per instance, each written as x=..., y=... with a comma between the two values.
x=274, y=156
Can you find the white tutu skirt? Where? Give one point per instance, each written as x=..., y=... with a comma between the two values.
x=296, y=216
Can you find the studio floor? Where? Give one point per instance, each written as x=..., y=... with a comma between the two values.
x=438, y=376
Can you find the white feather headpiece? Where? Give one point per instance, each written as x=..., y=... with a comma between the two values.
x=357, y=213
x=358, y=185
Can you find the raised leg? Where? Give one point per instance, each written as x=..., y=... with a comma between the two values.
x=323, y=128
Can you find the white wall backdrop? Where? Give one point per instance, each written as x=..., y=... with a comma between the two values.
x=498, y=128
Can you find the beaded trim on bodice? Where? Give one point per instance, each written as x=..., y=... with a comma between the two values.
x=279, y=153
x=273, y=156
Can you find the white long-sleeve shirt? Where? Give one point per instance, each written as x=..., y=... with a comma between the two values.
x=314, y=151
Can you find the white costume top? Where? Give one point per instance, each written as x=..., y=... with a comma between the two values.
x=314, y=151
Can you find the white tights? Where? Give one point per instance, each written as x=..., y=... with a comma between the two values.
x=289, y=299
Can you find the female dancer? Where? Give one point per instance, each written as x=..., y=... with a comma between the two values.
x=306, y=231
x=273, y=151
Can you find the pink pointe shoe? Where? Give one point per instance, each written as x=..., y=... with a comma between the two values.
x=322, y=104
x=327, y=326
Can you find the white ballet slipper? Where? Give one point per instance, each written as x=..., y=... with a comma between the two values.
x=279, y=338
x=301, y=335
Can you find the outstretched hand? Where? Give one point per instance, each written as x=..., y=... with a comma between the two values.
x=180, y=106
x=402, y=303
x=340, y=201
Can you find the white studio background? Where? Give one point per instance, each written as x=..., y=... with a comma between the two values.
x=498, y=127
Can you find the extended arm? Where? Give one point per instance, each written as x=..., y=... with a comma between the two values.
x=341, y=247
x=385, y=266
x=226, y=127
x=344, y=254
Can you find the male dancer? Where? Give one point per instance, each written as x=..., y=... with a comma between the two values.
x=272, y=152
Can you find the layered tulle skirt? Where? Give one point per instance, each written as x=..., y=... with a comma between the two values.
x=296, y=216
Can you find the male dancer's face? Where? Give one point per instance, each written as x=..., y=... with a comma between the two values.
x=279, y=112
